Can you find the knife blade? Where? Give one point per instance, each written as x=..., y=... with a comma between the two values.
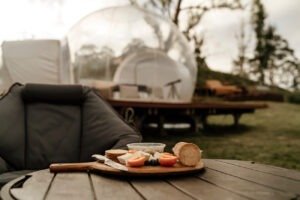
x=110, y=162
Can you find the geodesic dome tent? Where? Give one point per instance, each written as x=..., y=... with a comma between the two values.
x=129, y=45
x=136, y=69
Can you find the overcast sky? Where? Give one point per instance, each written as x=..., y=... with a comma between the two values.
x=222, y=26
x=21, y=19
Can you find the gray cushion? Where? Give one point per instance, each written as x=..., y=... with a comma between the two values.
x=103, y=128
x=3, y=166
x=12, y=144
x=53, y=134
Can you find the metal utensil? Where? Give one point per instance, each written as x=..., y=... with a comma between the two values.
x=109, y=162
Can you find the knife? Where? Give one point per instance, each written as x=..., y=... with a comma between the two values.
x=109, y=162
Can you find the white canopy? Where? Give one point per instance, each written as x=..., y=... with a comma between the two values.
x=155, y=69
x=36, y=61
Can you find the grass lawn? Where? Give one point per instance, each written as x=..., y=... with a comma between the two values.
x=269, y=136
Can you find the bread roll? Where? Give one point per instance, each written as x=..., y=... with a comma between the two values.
x=114, y=153
x=188, y=154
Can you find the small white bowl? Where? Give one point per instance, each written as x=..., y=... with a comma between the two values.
x=147, y=147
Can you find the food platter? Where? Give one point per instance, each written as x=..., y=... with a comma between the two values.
x=177, y=169
x=142, y=159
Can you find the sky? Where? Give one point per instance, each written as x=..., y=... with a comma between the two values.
x=26, y=19
x=221, y=27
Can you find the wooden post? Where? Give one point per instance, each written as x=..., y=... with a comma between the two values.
x=236, y=118
x=161, y=121
x=204, y=121
x=194, y=124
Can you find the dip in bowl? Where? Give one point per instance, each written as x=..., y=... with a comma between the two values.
x=147, y=147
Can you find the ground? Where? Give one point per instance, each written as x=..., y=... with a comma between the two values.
x=269, y=136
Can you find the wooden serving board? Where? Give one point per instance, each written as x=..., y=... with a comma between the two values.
x=132, y=171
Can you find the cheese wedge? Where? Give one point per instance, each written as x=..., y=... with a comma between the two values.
x=123, y=159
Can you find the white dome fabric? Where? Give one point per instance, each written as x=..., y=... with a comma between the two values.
x=104, y=41
x=138, y=67
x=36, y=61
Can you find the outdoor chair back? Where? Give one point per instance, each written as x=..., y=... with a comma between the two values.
x=44, y=124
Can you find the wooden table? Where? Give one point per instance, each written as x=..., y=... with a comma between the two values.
x=221, y=179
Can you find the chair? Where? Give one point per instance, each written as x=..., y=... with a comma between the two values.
x=129, y=92
x=221, y=90
x=44, y=124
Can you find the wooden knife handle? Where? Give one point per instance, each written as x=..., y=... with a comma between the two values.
x=71, y=167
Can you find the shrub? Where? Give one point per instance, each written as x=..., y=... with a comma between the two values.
x=294, y=98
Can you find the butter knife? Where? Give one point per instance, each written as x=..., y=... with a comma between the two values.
x=109, y=162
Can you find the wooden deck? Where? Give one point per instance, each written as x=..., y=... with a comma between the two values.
x=186, y=105
x=136, y=111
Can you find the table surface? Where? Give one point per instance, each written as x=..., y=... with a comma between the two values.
x=221, y=179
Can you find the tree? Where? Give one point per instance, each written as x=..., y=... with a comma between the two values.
x=135, y=45
x=175, y=11
x=243, y=42
x=200, y=57
x=274, y=62
x=91, y=62
x=258, y=21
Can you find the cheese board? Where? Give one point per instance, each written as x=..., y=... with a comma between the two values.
x=142, y=159
x=132, y=171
